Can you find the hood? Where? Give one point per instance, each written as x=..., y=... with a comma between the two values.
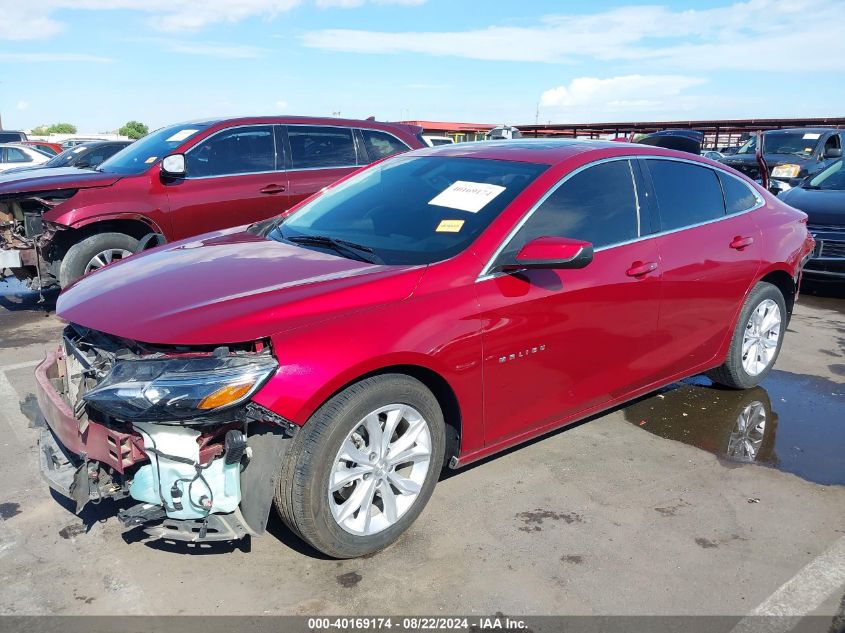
x=771, y=159
x=821, y=206
x=54, y=178
x=228, y=287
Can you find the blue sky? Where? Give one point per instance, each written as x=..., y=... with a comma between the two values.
x=99, y=63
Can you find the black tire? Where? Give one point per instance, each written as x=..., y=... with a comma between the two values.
x=78, y=256
x=302, y=492
x=732, y=373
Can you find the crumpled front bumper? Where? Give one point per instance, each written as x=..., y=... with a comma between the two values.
x=85, y=461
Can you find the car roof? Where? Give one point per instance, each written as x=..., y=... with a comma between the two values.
x=307, y=120
x=545, y=150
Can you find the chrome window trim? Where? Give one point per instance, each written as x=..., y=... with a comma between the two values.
x=244, y=173
x=486, y=273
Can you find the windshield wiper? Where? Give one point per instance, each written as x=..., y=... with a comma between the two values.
x=358, y=251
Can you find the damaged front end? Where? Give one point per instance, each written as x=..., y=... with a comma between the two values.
x=26, y=240
x=171, y=427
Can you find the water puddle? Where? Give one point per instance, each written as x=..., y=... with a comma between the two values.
x=791, y=422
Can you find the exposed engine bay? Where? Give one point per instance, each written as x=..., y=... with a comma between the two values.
x=169, y=427
x=27, y=242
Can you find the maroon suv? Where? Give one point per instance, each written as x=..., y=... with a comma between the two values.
x=182, y=180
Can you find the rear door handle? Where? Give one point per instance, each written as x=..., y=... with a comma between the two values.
x=273, y=189
x=638, y=269
x=740, y=242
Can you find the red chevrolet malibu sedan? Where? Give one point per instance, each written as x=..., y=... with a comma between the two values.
x=432, y=309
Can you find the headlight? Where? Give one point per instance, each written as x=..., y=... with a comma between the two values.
x=786, y=171
x=176, y=389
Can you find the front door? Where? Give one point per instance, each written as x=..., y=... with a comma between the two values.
x=557, y=342
x=231, y=179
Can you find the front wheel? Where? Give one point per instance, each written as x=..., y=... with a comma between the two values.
x=94, y=252
x=363, y=467
x=756, y=341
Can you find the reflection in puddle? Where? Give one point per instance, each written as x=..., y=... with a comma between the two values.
x=791, y=422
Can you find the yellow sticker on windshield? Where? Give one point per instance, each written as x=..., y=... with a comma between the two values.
x=151, y=159
x=449, y=226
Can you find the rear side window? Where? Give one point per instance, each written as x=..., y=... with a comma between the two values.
x=14, y=155
x=597, y=205
x=738, y=195
x=381, y=144
x=687, y=194
x=314, y=146
x=241, y=150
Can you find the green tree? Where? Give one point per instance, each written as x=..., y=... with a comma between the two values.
x=134, y=129
x=61, y=128
x=41, y=130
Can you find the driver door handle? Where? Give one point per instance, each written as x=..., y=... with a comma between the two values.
x=638, y=269
x=273, y=189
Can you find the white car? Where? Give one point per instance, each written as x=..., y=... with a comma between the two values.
x=12, y=155
x=434, y=141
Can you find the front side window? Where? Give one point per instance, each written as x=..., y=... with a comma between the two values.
x=242, y=150
x=412, y=210
x=686, y=194
x=315, y=146
x=381, y=144
x=597, y=205
x=738, y=195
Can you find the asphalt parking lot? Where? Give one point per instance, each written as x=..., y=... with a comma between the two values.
x=645, y=510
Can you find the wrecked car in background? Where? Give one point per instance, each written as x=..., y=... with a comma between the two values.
x=58, y=225
x=435, y=308
x=790, y=155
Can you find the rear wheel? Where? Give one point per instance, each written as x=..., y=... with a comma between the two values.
x=94, y=252
x=756, y=340
x=363, y=467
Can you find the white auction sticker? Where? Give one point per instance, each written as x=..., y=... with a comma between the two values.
x=181, y=136
x=467, y=196
x=811, y=136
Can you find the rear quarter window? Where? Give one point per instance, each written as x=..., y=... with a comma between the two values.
x=381, y=144
x=686, y=194
x=738, y=195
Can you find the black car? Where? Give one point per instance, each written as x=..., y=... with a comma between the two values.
x=8, y=136
x=82, y=156
x=822, y=198
x=791, y=155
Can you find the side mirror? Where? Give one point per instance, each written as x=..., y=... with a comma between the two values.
x=833, y=152
x=552, y=252
x=173, y=166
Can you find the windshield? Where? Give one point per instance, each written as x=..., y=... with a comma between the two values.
x=411, y=210
x=66, y=157
x=140, y=155
x=801, y=144
x=832, y=178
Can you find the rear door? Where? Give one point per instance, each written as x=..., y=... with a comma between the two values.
x=318, y=155
x=708, y=258
x=235, y=176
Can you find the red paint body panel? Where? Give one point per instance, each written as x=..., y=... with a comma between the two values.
x=607, y=335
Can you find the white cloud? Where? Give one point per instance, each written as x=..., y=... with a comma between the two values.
x=351, y=4
x=209, y=49
x=35, y=20
x=753, y=35
x=281, y=105
x=22, y=105
x=52, y=57
x=594, y=98
x=623, y=92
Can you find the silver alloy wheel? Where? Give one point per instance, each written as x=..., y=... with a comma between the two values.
x=106, y=257
x=748, y=433
x=760, y=340
x=380, y=469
